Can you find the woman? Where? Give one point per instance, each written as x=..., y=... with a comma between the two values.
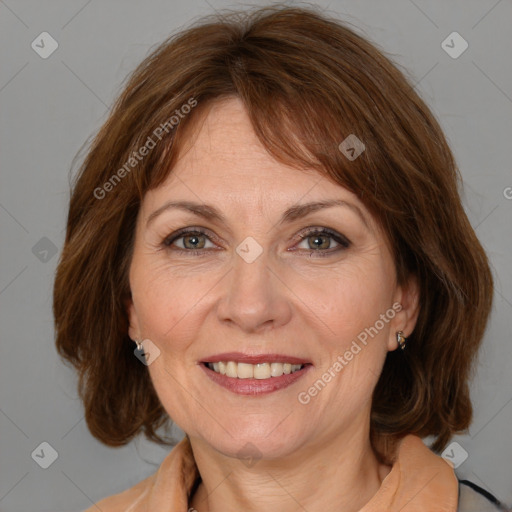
x=271, y=214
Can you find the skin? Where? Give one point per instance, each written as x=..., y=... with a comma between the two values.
x=316, y=455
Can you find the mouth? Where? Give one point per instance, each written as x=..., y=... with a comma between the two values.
x=253, y=375
x=260, y=371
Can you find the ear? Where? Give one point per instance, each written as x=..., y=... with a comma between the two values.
x=133, y=319
x=408, y=297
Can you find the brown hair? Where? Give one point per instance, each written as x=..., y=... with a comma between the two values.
x=307, y=82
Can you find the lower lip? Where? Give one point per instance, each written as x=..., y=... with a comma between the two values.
x=255, y=386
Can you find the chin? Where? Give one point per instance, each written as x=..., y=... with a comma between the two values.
x=248, y=439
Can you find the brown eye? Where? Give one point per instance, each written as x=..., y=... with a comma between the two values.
x=188, y=241
x=320, y=240
x=193, y=241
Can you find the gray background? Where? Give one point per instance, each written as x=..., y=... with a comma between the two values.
x=49, y=108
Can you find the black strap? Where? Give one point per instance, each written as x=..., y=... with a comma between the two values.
x=481, y=491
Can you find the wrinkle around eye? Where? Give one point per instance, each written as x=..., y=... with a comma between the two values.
x=344, y=232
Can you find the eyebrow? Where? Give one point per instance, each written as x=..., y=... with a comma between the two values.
x=293, y=213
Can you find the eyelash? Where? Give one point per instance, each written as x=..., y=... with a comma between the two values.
x=343, y=242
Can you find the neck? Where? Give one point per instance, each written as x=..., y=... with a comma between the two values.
x=342, y=473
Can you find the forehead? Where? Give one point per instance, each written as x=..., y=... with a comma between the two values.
x=223, y=142
x=223, y=161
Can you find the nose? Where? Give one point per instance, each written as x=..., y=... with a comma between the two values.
x=255, y=298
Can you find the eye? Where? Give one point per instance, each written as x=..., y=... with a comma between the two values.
x=319, y=240
x=314, y=240
x=191, y=241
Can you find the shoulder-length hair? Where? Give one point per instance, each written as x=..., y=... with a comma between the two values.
x=307, y=82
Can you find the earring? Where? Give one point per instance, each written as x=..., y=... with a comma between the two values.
x=139, y=345
x=401, y=339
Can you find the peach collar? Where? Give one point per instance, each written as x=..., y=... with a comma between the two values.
x=419, y=481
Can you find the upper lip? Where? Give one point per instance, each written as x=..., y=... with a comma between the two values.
x=239, y=357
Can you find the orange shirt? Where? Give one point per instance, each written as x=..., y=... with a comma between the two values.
x=419, y=481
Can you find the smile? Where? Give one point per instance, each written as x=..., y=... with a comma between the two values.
x=254, y=375
x=253, y=371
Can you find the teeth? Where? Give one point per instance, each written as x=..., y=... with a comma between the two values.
x=276, y=369
x=245, y=371
x=231, y=369
x=253, y=371
x=262, y=371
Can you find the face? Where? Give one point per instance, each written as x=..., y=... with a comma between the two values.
x=238, y=271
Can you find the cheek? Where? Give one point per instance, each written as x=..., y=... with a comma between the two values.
x=347, y=299
x=166, y=302
x=346, y=308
